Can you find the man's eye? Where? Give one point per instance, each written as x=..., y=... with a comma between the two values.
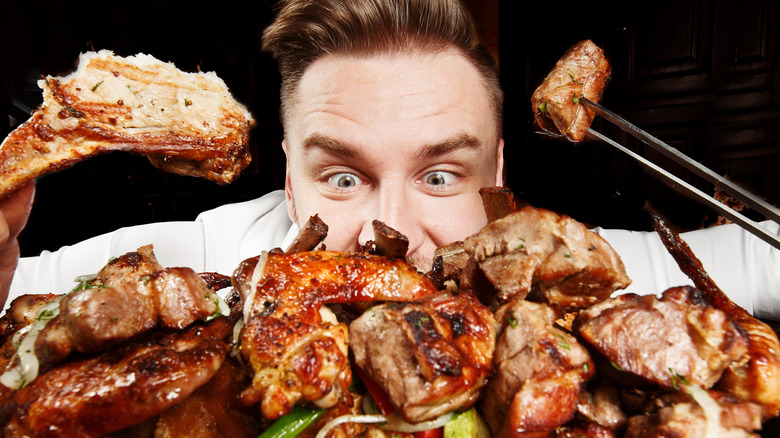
x=344, y=180
x=439, y=178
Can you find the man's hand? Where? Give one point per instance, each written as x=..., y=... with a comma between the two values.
x=14, y=211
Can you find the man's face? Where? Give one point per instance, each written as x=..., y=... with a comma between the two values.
x=405, y=139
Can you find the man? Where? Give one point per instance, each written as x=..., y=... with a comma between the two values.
x=391, y=111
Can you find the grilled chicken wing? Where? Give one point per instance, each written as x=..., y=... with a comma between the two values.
x=186, y=123
x=582, y=71
x=435, y=355
x=555, y=256
x=95, y=396
x=295, y=352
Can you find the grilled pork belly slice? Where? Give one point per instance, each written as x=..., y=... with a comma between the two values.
x=670, y=341
x=129, y=296
x=540, y=372
x=185, y=123
x=431, y=356
x=582, y=71
x=297, y=349
x=116, y=389
x=555, y=256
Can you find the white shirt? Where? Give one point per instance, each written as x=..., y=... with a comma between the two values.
x=742, y=265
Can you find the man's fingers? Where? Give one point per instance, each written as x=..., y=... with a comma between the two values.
x=15, y=209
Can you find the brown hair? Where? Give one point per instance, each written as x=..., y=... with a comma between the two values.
x=305, y=30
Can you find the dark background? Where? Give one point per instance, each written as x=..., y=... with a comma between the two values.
x=701, y=75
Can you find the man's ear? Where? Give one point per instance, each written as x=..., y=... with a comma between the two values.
x=288, y=187
x=500, y=163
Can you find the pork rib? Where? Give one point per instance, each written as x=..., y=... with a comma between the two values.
x=185, y=123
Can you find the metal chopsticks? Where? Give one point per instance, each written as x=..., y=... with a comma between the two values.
x=738, y=192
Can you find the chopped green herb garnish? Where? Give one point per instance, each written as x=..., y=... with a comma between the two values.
x=575, y=99
x=543, y=107
x=512, y=321
x=96, y=85
x=131, y=89
x=677, y=378
x=562, y=341
x=573, y=79
x=187, y=102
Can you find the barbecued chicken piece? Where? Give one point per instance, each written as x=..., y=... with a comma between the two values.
x=581, y=72
x=113, y=390
x=185, y=123
x=129, y=296
x=754, y=377
x=295, y=346
x=676, y=339
x=540, y=372
x=554, y=256
x=694, y=413
x=431, y=356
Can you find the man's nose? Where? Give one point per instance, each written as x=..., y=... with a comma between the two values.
x=394, y=209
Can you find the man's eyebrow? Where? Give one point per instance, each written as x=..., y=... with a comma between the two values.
x=461, y=141
x=330, y=145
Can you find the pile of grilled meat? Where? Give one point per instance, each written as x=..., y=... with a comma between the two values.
x=519, y=321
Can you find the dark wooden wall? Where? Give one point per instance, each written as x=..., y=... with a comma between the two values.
x=701, y=75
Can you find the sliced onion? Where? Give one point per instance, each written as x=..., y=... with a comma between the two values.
x=26, y=368
x=365, y=419
x=257, y=274
x=710, y=407
x=396, y=423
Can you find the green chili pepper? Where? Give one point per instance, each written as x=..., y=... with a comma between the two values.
x=292, y=424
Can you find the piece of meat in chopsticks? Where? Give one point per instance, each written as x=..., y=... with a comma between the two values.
x=582, y=71
x=556, y=257
x=185, y=123
x=435, y=355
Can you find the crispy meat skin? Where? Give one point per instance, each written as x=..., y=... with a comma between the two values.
x=582, y=71
x=540, y=373
x=669, y=341
x=186, y=123
x=435, y=355
x=533, y=248
x=116, y=389
x=296, y=354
